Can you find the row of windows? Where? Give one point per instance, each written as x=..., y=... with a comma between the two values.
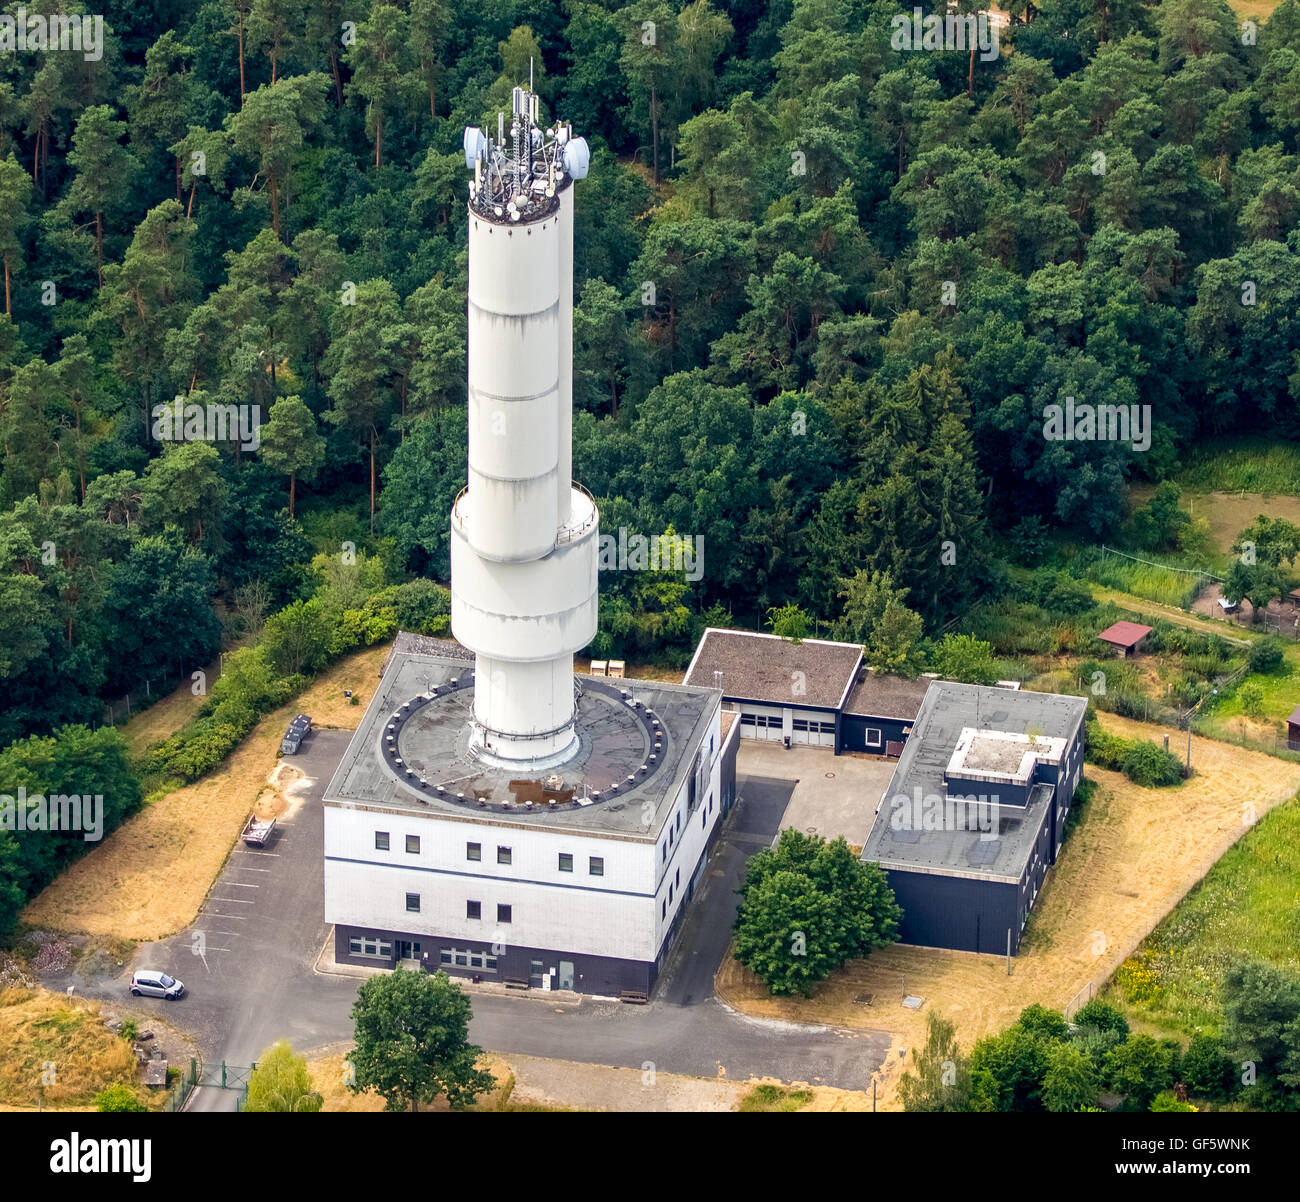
x=360, y=945
x=505, y=855
x=595, y=864
x=473, y=909
x=825, y=728
x=474, y=851
x=776, y=722
x=467, y=958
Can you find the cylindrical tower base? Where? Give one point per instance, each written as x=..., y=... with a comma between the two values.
x=523, y=712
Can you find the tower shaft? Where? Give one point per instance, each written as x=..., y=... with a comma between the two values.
x=524, y=537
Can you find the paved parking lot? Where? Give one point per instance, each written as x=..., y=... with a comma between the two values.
x=833, y=794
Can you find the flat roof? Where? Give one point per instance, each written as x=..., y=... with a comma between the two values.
x=1125, y=634
x=431, y=737
x=762, y=667
x=899, y=840
x=879, y=695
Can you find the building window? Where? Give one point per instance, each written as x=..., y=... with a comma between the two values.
x=663, y=859
x=826, y=728
x=473, y=851
x=704, y=818
x=413, y=845
x=663, y=910
x=381, y=840
x=596, y=865
x=364, y=945
x=566, y=862
x=413, y=903
x=467, y=958
x=503, y=855
x=873, y=737
x=799, y=724
x=473, y=909
x=670, y=893
x=503, y=913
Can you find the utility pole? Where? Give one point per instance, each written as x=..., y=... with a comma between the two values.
x=1008, y=951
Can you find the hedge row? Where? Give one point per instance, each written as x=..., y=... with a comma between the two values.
x=1142, y=761
x=296, y=642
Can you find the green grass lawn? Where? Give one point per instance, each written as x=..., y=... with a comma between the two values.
x=1281, y=691
x=1253, y=464
x=1165, y=585
x=1247, y=906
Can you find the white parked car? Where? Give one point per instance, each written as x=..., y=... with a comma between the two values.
x=146, y=983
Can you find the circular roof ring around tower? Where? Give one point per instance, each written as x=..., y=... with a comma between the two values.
x=425, y=744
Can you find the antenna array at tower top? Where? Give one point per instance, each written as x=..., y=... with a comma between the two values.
x=519, y=181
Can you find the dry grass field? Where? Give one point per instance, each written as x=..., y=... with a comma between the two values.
x=1230, y=513
x=39, y=1028
x=148, y=879
x=1128, y=863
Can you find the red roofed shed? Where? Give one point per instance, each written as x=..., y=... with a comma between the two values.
x=1126, y=637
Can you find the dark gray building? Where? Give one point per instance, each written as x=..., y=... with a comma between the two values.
x=975, y=812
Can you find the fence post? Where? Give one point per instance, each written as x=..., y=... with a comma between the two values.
x=223, y=1074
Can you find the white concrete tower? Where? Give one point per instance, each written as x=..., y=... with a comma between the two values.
x=524, y=536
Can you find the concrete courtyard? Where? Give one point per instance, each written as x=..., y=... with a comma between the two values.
x=833, y=794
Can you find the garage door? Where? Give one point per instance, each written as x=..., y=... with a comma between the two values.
x=760, y=726
x=813, y=733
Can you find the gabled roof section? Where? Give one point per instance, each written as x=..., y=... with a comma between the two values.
x=773, y=670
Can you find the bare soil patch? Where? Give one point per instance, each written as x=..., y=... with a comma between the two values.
x=1133, y=857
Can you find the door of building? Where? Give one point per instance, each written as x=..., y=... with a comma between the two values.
x=565, y=975
x=534, y=974
x=407, y=950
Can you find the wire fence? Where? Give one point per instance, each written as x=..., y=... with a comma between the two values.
x=186, y=1084
x=1167, y=566
x=1080, y=999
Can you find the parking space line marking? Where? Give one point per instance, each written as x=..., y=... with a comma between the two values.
x=276, y=854
x=241, y=885
x=241, y=868
x=219, y=914
x=235, y=900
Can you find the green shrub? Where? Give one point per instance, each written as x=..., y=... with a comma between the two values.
x=1102, y=1016
x=1151, y=766
x=422, y=606
x=1266, y=655
x=1206, y=1071
x=1251, y=697
x=119, y=1099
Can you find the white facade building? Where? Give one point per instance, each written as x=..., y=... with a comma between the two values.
x=585, y=894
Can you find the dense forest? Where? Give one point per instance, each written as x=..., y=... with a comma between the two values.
x=826, y=291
